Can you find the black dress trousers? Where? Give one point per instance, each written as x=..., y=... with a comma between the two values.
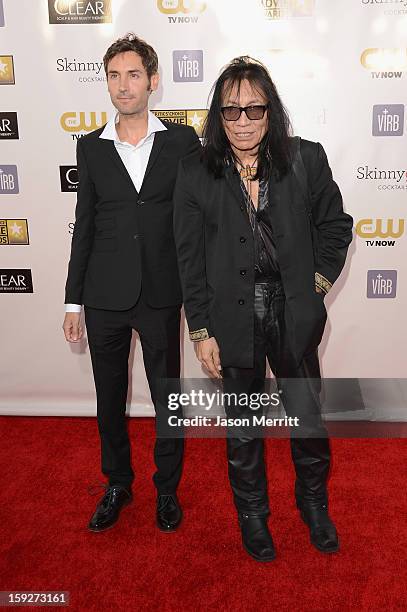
x=109, y=335
x=299, y=391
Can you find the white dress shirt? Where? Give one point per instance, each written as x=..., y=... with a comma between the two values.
x=135, y=158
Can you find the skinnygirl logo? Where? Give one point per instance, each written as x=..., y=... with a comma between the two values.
x=389, y=179
x=389, y=7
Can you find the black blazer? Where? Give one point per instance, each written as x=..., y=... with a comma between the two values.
x=123, y=238
x=216, y=254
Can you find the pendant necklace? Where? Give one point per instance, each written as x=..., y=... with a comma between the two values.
x=247, y=174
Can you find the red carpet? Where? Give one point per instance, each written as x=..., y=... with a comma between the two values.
x=48, y=463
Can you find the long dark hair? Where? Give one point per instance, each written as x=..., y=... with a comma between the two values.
x=274, y=150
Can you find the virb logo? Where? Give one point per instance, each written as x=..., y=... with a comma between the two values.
x=388, y=120
x=187, y=66
x=381, y=283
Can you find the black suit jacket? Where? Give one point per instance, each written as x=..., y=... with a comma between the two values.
x=216, y=252
x=123, y=238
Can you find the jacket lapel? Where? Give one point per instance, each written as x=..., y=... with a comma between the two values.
x=280, y=198
x=233, y=182
x=274, y=198
x=159, y=140
x=118, y=162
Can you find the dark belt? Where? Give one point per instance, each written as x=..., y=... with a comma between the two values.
x=269, y=278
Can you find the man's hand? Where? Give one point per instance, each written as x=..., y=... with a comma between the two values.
x=72, y=326
x=207, y=352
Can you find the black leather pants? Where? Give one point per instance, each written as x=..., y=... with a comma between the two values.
x=300, y=397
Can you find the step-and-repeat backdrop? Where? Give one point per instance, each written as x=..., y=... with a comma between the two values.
x=340, y=67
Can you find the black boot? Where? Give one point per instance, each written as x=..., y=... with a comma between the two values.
x=311, y=460
x=256, y=538
x=323, y=533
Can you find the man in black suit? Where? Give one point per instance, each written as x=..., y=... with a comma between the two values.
x=123, y=269
x=261, y=237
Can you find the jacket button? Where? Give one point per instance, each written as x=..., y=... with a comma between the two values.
x=140, y=201
x=135, y=236
x=242, y=239
x=242, y=208
x=243, y=272
x=241, y=302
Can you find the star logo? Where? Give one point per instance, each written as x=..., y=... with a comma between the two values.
x=195, y=121
x=196, y=118
x=303, y=8
x=6, y=70
x=16, y=229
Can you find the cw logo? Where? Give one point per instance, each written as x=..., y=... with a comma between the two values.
x=384, y=59
x=77, y=122
x=369, y=228
x=171, y=7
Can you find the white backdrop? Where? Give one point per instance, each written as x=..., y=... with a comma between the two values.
x=340, y=68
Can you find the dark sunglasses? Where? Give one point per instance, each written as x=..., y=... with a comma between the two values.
x=232, y=113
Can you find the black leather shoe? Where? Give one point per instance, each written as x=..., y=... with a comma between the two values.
x=108, y=509
x=323, y=533
x=256, y=538
x=169, y=513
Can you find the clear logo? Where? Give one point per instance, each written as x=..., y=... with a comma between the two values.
x=69, y=178
x=79, y=11
x=16, y=281
x=8, y=126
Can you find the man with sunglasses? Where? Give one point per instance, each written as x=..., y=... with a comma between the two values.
x=261, y=237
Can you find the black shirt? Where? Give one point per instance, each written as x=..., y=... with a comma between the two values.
x=265, y=254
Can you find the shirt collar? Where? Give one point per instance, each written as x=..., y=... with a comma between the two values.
x=153, y=125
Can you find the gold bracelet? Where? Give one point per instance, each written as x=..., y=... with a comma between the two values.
x=322, y=282
x=199, y=334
